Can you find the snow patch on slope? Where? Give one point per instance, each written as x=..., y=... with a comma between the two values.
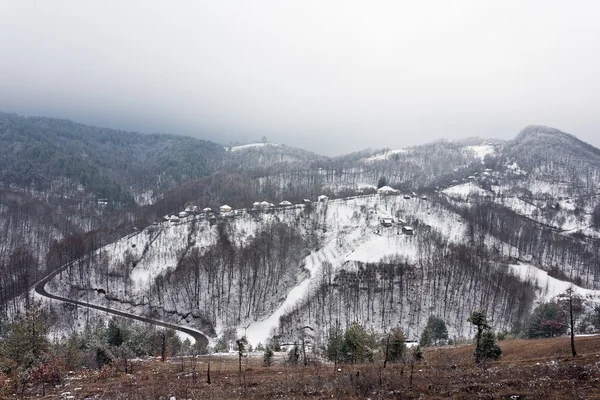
x=252, y=145
x=355, y=234
x=482, y=150
x=386, y=155
x=465, y=190
x=549, y=287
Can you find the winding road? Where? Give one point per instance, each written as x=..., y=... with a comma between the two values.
x=40, y=288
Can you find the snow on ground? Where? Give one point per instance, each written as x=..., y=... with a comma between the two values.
x=465, y=190
x=482, y=150
x=543, y=188
x=520, y=206
x=563, y=218
x=354, y=233
x=549, y=287
x=567, y=205
x=332, y=252
x=251, y=145
x=515, y=169
x=145, y=198
x=386, y=155
x=385, y=246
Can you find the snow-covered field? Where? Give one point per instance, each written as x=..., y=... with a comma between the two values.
x=465, y=190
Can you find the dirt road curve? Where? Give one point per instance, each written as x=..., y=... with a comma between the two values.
x=40, y=288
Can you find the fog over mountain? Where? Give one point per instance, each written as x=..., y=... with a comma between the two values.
x=330, y=77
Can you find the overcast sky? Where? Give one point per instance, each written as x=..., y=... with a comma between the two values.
x=328, y=76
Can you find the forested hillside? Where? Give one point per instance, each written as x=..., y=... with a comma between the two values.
x=59, y=178
x=59, y=157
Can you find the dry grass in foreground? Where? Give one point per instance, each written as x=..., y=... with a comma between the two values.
x=529, y=369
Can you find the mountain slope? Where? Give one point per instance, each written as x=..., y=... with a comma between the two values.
x=309, y=264
x=54, y=155
x=53, y=174
x=539, y=193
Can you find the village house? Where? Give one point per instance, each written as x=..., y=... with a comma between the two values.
x=322, y=198
x=191, y=209
x=225, y=209
x=386, y=190
x=386, y=222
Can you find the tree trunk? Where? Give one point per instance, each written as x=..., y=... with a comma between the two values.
x=387, y=348
x=572, y=327
x=208, y=374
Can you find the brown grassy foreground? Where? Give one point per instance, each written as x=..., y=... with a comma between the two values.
x=529, y=369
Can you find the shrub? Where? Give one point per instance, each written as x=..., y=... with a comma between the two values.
x=268, y=357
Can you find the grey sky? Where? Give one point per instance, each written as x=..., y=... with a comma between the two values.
x=328, y=76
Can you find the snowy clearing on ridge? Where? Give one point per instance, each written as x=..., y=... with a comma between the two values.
x=252, y=145
x=386, y=155
x=482, y=150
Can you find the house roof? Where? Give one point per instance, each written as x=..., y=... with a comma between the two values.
x=387, y=189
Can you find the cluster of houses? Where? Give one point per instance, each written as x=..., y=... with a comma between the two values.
x=190, y=210
x=225, y=209
x=485, y=175
x=388, y=222
x=265, y=205
x=386, y=190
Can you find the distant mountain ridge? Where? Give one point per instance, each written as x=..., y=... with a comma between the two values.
x=115, y=165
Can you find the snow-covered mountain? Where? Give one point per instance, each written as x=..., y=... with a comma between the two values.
x=473, y=224
x=346, y=260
